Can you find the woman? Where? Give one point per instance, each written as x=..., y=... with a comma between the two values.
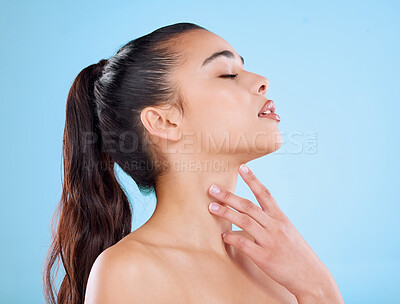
x=177, y=111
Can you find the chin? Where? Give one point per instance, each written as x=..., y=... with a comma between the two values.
x=269, y=148
x=266, y=143
x=278, y=141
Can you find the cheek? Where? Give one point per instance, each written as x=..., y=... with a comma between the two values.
x=221, y=114
x=214, y=131
x=215, y=106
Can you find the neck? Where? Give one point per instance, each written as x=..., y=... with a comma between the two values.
x=182, y=214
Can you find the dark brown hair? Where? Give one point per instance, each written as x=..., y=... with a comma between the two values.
x=103, y=128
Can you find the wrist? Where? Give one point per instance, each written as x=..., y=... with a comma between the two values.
x=326, y=292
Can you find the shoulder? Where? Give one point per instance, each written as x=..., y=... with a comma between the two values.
x=123, y=272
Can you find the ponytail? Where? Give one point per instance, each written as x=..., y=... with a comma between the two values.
x=94, y=212
x=105, y=102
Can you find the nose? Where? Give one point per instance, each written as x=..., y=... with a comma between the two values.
x=260, y=85
x=263, y=85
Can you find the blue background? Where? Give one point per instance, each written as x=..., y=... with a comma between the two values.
x=334, y=76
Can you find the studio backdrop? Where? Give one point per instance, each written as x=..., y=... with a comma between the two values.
x=333, y=68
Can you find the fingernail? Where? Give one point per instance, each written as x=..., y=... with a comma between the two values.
x=214, y=206
x=223, y=235
x=215, y=189
x=244, y=168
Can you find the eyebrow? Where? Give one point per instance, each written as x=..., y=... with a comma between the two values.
x=225, y=53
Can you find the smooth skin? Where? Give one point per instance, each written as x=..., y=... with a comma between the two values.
x=178, y=255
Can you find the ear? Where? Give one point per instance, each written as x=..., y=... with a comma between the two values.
x=162, y=123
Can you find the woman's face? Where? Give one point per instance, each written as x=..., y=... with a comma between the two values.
x=223, y=111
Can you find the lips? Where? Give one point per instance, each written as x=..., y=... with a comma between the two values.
x=268, y=107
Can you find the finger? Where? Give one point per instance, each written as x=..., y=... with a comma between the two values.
x=240, y=204
x=258, y=254
x=239, y=219
x=262, y=194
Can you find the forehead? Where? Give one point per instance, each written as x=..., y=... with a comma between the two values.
x=199, y=45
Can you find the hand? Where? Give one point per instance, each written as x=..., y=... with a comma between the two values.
x=278, y=248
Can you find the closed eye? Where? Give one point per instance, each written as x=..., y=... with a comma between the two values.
x=229, y=76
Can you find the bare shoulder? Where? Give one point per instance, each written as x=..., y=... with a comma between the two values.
x=260, y=277
x=123, y=273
